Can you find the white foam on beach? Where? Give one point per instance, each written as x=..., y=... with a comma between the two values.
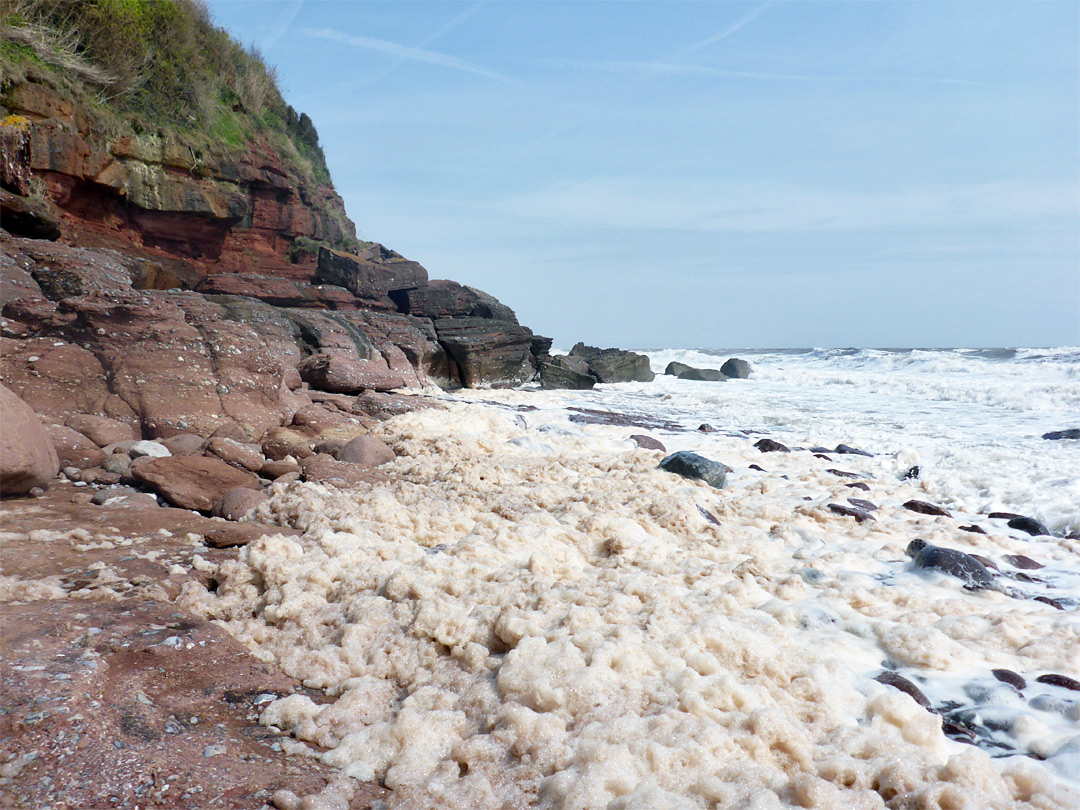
x=530, y=613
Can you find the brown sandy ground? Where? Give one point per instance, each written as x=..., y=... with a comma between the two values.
x=111, y=697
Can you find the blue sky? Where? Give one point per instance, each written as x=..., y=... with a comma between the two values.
x=710, y=174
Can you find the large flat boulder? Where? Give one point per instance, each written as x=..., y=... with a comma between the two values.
x=27, y=456
x=192, y=482
x=372, y=273
x=487, y=352
x=614, y=365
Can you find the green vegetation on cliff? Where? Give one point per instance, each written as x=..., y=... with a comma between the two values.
x=161, y=64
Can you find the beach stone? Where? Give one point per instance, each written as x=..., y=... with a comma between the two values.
x=116, y=448
x=325, y=469
x=1029, y=525
x=276, y=469
x=973, y=529
x=843, y=473
x=237, y=502
x=192, y=482
x=736, y=369
x=27, y=456
x=231, y=430
x=866, y=506
x=691, y=465
x=1064, y=681
x=1058, y=435
x=924, y=508
x=297, y=442
x=74, y=449
x=119, y=463
x=771, y=446
x=890, y=678
x=149, y=449
x=648, y=442
x=1009, y=677
x=859, y=485
x=184, y=444
x=993, y=566
x=101, y=430
x=103, y=495
x=1021, y=561
x=248, y=456
x=861, y=515
x=554, y=376
x=950, y=561
x=368, y=451
x=846, y=449
x=98, y=476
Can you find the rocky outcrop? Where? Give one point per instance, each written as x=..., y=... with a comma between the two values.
x=27, y=457
x=556, y=375
x=614, y=365
x=242, y=210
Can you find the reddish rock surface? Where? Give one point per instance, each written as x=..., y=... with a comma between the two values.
x=192, y=482
x=113, y=696
x=74, y=449
x=27, y=457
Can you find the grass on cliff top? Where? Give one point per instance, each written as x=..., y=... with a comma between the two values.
x=156, y=65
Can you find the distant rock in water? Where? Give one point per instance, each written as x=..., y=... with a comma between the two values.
x=691, y=465
x=950, y=561
x=845, y=449
x=614, y=365
x=1029, y=525
x=1057, y=435
x=736, y=368
x=861, y=515
x=675, y=368
x=770, y=446
x=705, y=374
x=924, y=508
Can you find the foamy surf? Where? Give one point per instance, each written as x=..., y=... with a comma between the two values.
x=532, y=614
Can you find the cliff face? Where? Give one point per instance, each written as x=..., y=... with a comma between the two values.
x=241, y=211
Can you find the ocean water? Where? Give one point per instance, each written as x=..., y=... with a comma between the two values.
x=529, y=613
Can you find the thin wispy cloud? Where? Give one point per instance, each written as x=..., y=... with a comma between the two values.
x=396, y=49
x=283, y=26
x=723, y=33
x=668, y=68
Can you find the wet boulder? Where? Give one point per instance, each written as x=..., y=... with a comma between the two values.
x=691, y=465
x=614, y=365
x=736, y=368
x=553, y=375
x=963, y=566
x=1059, y=435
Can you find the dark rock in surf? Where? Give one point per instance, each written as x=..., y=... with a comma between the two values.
x=614, y=365
x=1009, y=677
x=755, y=467
x=709, y=516
x=1064, y=681
x=675, y=368
x=648, y=442
x=822, y=456
x=973, y=529
x=860, y=515
x=703, y=374
x=1029, y=525
x=845, y=449
x=963, y=566
x=705, y=427
x=844, y=474
x=555, y=376
x=1058, y=435
x=691, y=465
x=993, y=566
x=1020, y=561
x=859, y=485
x=904, y=685
x=770, y=446
x=736, y=369
x=924, y=508
x=911, y=474
x=859, y=503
